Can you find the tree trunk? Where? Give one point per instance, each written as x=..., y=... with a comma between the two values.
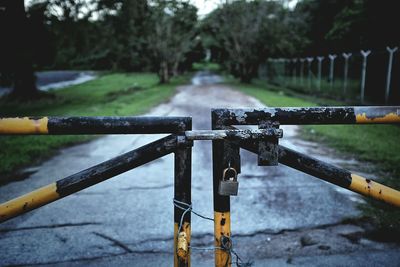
x=175, y=68
x=18, y=54
x=246, y=73
x=24, y=79
x=163, y=73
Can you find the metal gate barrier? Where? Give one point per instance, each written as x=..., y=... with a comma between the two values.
x=226, y=143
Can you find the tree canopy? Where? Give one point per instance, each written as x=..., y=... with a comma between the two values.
x=166, y=36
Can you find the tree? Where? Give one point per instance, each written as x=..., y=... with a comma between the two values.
x=246, y=33
x=172, y=35
x=16, y=57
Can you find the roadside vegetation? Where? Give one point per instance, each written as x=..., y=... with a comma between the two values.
x=110, y=95
x=377, y=144
x=206, y=66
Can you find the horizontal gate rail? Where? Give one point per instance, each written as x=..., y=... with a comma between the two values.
x=309, y=115
x=88, y=177
x=94, y=125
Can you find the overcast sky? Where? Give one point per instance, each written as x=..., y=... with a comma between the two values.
x=206, y=6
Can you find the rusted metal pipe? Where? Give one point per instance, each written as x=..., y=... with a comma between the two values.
x=93, y=125
x=182, y=193
x=88, y=177
x=233, y=135
x=333, y=174
x=222, y=206
x=309, y=115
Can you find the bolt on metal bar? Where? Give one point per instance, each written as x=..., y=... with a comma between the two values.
x=333, y=174
x=88, y=177
x=309, y=115
x=93, y=125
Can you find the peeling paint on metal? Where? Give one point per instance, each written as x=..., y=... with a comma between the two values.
x=388, y=118
x=375, y=190
x=30, y=201
x=222, y=227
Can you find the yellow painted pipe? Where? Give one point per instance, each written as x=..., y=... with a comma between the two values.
x=23, y=126
x=222, y=227
x=374, y=190
x=362, y=118
x=30, y=201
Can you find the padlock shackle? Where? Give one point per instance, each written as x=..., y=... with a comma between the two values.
x=225, y=171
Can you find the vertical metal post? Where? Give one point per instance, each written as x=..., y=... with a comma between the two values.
x=309, y=61
x=182, y=193
x=222, y=216
x=332, y=69
x=389, y=72
x=301, y=70
x=365, y=54
x=346, y=71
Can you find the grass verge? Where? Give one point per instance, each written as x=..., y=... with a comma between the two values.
x=378, y=144
x=110, y=95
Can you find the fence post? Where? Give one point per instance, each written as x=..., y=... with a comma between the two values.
x=331, y=69
x=346, y=71
x=389, y=72
x=320, y=59
x=294, y=71
x=365, y=54
x=182, y=194
x=301, y=70
x=309, y=61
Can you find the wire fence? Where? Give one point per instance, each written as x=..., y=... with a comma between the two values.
x=358, y=77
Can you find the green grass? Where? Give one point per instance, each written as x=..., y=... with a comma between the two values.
x=109, y=95
x=199, y=66
x=326, y=91
x=378, y=144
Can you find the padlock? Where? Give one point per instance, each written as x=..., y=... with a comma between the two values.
x=229, y=185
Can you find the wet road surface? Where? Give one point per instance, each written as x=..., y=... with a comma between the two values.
x=281, y=216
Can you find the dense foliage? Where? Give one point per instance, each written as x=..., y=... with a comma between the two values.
x=243, y=34
x=166, y=36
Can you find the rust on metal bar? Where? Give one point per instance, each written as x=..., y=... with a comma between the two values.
x=222, y=227
x=369, y=115
x=374, y=190
x=224, y=154
x=94, y=125
x=182, y=194
x=333, y=174
x=309, y=115
x=233, y=134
